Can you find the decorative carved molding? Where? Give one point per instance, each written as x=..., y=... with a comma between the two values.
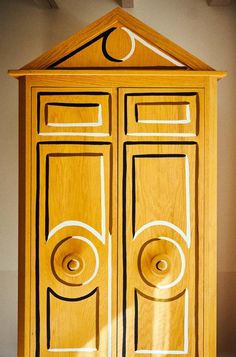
x=95, y=33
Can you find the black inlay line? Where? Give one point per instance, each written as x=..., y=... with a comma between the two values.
x=82, y=105
x=48, y=320
x=197, y=245
x=177, y=103
x=73, y=93
x=38, y=113
x=50, y=291
x=46, y=198
x=125, y=115
x=103, y=35
x=161, y=94
x=124, y=250
x=124, y=67
x=136, y=112
x=37, y=291
x=135, y=320
x=75, y=143
x=158, y=155
x=69, y=154
x=180, y=143
x=133, y=196
x=97, y=319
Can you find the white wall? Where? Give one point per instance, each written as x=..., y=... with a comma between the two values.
x=208, y=32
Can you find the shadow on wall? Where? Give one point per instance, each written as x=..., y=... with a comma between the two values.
x=226, y=313
x=59, y=24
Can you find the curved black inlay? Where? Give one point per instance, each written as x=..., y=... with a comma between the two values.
x=104, y=50
x=103, y=35
x=50, y=291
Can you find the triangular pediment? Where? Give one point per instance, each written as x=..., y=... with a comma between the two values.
x=117, y=40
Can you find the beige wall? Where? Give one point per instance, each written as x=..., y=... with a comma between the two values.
x=208, y=32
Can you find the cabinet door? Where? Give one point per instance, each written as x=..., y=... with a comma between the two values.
x=73, y=250
x=159, y=249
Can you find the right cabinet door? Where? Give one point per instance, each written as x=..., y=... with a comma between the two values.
x=160, y=246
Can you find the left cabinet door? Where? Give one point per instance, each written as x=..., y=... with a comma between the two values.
x=73, y=249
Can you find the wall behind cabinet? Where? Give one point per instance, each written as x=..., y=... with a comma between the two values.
x=207, y=32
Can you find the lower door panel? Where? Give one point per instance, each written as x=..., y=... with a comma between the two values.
x=159, y=249
x=73, y=251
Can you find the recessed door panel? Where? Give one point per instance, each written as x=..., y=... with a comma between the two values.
x=74, y=250
x=162, y=112
x=84, y=316
x=159, y=247
x=168, y=315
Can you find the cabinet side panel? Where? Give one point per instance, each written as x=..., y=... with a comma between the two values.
x=210, y=202
x=24, y=220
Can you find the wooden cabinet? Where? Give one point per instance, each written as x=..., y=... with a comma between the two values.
x=117, y=232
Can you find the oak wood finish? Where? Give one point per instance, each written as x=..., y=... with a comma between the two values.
x=117, y=209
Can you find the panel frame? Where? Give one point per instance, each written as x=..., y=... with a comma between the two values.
x=90, y=131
